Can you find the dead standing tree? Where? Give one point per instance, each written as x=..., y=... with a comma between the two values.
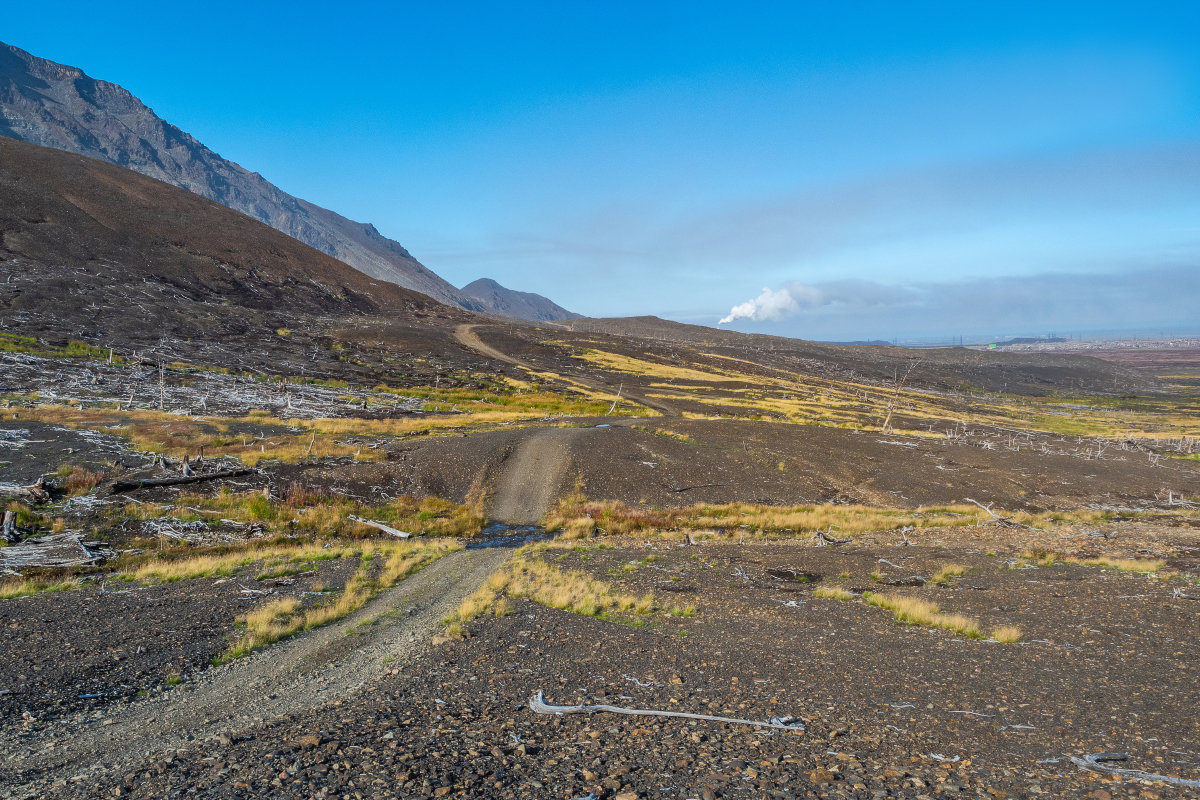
x=891, y=406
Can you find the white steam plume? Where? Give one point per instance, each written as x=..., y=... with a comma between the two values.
x=768, y=305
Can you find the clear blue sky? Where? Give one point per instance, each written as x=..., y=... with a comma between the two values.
x=882, y=169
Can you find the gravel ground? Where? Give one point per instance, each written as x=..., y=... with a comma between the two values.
x=1106, y=664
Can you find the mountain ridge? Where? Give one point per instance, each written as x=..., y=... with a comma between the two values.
x=498, y=299
x=55, y=105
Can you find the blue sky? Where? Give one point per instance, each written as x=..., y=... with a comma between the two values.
x=880, y=169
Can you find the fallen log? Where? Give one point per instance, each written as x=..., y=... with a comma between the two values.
x=380, y=526
x=54, y=551
x=822, y=539
x=146, y=483
x=37, y=492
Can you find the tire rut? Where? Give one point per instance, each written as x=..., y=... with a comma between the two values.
x=530, y=479
x=307, y=671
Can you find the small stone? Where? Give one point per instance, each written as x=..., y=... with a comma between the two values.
x=820, y=776
x=310, y=740
x=627, y=796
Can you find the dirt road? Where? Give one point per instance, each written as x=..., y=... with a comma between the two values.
x=468, y=338
x=532, y=477
x=317, y=668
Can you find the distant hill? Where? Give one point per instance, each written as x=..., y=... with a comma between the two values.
x=497, y=299
x=949, y=368
x=53, y=105
x=92, y=251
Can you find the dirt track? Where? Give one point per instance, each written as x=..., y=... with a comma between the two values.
x=331, y=664
x=466, y=336
x=531, y=477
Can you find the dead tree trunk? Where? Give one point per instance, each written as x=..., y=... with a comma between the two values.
x=126, y=486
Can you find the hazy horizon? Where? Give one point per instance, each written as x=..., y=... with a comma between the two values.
x=831, y=172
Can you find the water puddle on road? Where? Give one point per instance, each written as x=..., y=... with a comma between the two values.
x=499, y=534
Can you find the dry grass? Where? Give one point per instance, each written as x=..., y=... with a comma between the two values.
x=1007, y=634
x=27, y=587
x=943, y=575
x=915, y=611
x=833, y=593
x=283, y=618
x=227, y=562
x=1048, y=558
x=78, y=481
x=321, y=513
x=290, y=439
x=636, y=366
x=533, y=579
x=1142, y=565
x=615, y=518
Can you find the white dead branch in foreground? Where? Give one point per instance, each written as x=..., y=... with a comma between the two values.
x=1095, y=762
x=380, y=526
x=538, y=705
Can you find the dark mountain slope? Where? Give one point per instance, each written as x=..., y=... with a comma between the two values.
x=506, y=302
x=58, y=106
x=93, y=251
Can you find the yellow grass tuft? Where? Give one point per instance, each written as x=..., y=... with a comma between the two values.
x=833, y=593
x=943, y=575
x=1007, y=634
x=283, y=618
x=1143, y=565
x=915, y=611
x=535, y=580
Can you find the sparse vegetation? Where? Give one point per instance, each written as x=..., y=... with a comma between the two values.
x=833, y=593
x=615, y=518
x=914, y=611
x=530, y=578
x=948, y=571
x=27, y=587
x=1142, y=565
x=284, y=617
x=1007, y=634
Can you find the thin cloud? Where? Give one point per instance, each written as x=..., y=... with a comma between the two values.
x=1164, y=296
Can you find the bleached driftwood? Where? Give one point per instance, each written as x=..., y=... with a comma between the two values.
x=1094, y=762
x=380, y=526
x=56, y=550
x=538, y=705
x=145, y=483
x=37, y=492
x=1004, y=521
x=822, y=538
